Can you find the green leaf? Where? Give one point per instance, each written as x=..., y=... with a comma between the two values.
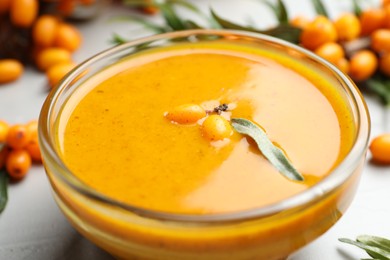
x=185, y=4
x=320, y=8
x=274, y=154
x=282, y=31
x=279, y=10
x=285, y=32
x=117, y=39
x=356, y=8
x=171, y=17
x=380, y=85
x=3, y=189
x=379, y=242
x=376, y=252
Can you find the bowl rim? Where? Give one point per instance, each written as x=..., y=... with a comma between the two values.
x=334, y=179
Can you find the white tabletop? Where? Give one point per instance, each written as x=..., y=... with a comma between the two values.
x=32, y=227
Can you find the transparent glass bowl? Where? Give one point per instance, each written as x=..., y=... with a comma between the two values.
x=271, y=232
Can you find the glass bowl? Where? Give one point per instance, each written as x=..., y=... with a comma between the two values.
x=269, y=232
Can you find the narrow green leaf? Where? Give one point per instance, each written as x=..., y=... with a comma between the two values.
x=320, y=8
x=380, y=85
x=356, y=8
x=192, y=25
x=171, y=17
x=379, y=242
x=230, y=25
x=279, y=10
x=3, y=189
x=285, y=32
x=117, y=39
x=373, y=251
x=273, y=153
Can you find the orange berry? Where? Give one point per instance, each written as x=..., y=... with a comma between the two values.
x=343, y=65
x=186, y=114
x=347, y=27
x=44, y=30
x=10, y=70
x=150, y=10
x=4, y=6
x=216, y=127
x=371, y=20
x=385, y=3
x=33, y=145
x=67, y=37
x=384, y=64
x=18, y=163
x=55, y=73
x=4, y=151
x=23, y=12
x=18, y=136
x=4, y=127
x=331, y=52
x=380, y=40
x=300, y=21
x=318, y=32
x=47, y=58
x=380, y=149
x=363, y=64
x=66, y=7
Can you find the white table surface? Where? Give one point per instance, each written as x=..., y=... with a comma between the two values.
x=32, y=227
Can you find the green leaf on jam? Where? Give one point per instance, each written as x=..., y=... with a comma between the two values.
x=3, y=187
x=274, y=154
x=376, y=247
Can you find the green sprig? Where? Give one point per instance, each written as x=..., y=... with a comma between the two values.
x=376, y=247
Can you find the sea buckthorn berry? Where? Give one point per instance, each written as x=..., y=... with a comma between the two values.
x=343, y=65
x=318, y=32
x=380, y=40
x=55, y=73
x=380, y=149
x=385, y=3
x=67, y=37
x=66, y=7
x=18, y=136
x=348, y=27
x=44, y=30
x=18, y=163
x=330, y=51
x=216, y=127
x=10, y=70
x=4, y=150
x=4, y=6
x=384, y=64
x=362, y=65
x=186, y=114
x=371, y=20
x=52, y=56
x=300, y=21
x=4, y=127
x=23, y=12
x=33, y=145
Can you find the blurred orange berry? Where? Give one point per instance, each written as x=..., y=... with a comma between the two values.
x=371, y=20
x=44, y=30
x=52, y=56
x=55, y=73
x=330, y=51
x=4, y=6
x=4, y=127
x=380, y=149
x=300, y=21
x=10, y=70
x=347, y=27
x=380, y=40
x=384, y=64
x=23, y=12
x=343, y=65
x=67, y=37
x=318, y=32
x=363, y=65
x=17, y=136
